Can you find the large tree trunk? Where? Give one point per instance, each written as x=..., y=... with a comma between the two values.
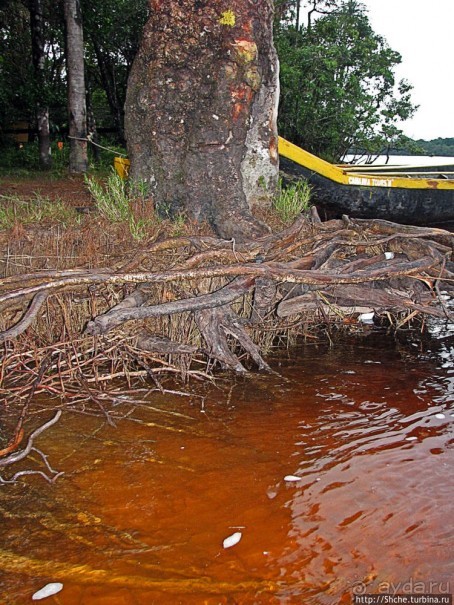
x=201, y=111
x=38, y=59
x=76, y=87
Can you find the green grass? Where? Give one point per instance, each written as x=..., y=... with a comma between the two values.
x=112, y=199
x=292, y=201
x=14, y=210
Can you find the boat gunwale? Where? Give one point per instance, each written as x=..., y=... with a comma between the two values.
x=363, y=178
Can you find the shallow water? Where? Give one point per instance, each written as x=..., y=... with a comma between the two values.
x=140, y=515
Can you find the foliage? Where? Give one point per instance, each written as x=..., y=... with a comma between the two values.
x=17, y=160
x=338, y=88
x=112, y=30
x=16, y=96
x=440, y=146
x=20, y=93
x=20, y=160
x=292, y=200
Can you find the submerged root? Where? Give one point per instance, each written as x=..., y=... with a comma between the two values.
x=17, y=456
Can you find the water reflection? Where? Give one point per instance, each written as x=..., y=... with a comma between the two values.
x=142, y=510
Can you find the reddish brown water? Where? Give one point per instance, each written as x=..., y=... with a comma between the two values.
x=140, y=515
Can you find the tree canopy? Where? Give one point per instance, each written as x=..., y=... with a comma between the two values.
x=338, y=88
x=439, y=146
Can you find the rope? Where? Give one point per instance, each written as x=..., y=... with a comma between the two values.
x=89, y=140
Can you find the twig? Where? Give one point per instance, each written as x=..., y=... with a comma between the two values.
x=12, y=458
x=18, y=431
x=16, y=476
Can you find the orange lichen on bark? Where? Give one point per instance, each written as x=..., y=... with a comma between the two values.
x=246, y=50
x=242, y=97
x=274, y=149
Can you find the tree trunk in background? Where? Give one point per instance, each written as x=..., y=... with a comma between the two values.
x=38, y=60
x=76, y=87
x=201, y=111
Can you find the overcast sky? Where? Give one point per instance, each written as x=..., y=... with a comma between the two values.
x=422, y=31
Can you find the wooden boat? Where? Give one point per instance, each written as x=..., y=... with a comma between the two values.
x=413, y=195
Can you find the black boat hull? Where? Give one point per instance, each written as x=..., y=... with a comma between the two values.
x=409, y=206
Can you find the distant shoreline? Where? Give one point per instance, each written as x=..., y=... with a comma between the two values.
x=405, y=160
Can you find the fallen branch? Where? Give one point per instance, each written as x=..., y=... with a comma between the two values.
x=38, y=300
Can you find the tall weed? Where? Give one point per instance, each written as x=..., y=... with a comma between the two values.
x=111, y=199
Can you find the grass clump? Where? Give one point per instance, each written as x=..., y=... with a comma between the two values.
x=292, y=200
x=112, y=199
x=117, y=202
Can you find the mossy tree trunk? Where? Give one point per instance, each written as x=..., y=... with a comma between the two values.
x=201, y=111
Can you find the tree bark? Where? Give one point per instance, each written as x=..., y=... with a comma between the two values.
x=76, y=87
x=201, y=111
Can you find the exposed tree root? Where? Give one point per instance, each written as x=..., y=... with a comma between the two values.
x=184, y=303
x=216, y=324
x=347, y=263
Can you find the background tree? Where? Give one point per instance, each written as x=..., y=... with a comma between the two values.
x=290, y=13
x=112, y=31
x=78, y=159
x=439, y=146
x=201, y=111
x=338, y=84
x=38, y=41
x=32, y=86
x=16, y=70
